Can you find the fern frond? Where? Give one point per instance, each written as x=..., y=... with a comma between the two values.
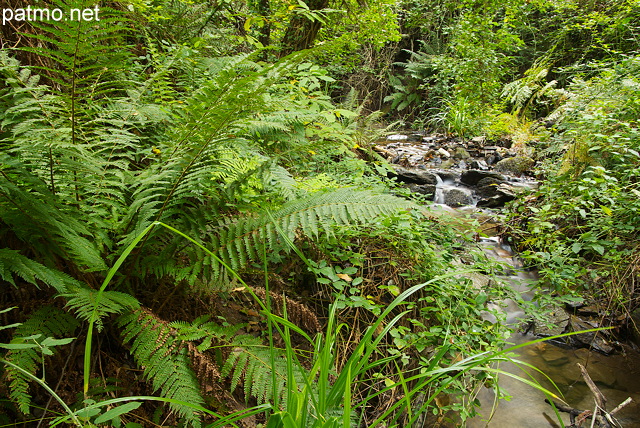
x=13, y=263
x=165, y=360
x=236, y=242
x=83, y=301
x=46, y=322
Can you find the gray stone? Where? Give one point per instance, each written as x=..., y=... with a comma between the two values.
x=447, y=175
x=503, y=194
x=413, y=176
x=479, y=164
x=424, y=189
x=461, y=153
x=488, y=187
x=457, y=197
x=444, y=153
x=473, y=176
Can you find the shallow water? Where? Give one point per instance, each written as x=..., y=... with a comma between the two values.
x=617, y=376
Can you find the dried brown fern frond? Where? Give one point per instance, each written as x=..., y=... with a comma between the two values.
x=298, y=313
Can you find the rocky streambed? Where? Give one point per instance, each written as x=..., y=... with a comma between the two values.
x=456, y=172
x=483, y=176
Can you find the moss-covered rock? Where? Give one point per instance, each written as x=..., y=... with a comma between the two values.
x=517, y=165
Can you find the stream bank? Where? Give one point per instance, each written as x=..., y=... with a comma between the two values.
x=480, y=176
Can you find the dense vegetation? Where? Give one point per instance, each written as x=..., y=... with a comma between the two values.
x=190, y=207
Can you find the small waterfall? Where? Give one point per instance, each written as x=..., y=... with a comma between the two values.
x=438, y=197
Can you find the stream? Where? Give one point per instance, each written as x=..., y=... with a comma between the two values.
x=465, y=178
x=617, y=375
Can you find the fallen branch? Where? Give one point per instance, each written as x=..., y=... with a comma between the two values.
x=599, y=415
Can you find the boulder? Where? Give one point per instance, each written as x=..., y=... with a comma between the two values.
x=447, y=175
x=412, y=176
x=517, y=165
x=503, y=194
x=593, y=340
x=428, y=190
x=457, y=197
x=488, y=187
x=473, y=176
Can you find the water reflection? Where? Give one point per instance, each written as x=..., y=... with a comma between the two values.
x=617, y=376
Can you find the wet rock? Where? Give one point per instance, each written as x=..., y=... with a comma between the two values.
x=517, y=165
x=413, y=176
x=555, y=357
x=556, y=323
x=593, y=340
x=447, y=175
x=479, y=164
x=473, y=176
x=488, y=187
x=493, y=159
x=457, y=197
x=503, y=194
x=461, y=153
x=428, y=190
x=414, y=138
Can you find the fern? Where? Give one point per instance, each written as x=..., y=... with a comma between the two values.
x=13, y=263
x=247, y=361
x=236, y=242
x=44, y=323
x=83, y=300
x=164, y=359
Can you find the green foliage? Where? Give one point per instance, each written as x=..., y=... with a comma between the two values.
x=239, y=241
x=582, y=229
x=13, y=263
x=31, y=341
x=165, y=360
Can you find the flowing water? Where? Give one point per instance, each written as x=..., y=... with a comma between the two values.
x=617, y=376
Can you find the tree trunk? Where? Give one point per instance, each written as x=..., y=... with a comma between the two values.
x=302, y=31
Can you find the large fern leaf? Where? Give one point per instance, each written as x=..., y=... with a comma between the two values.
x=237, y=242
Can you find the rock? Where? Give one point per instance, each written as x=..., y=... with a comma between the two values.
x=412, y=176
x=517, y=165
x=488, y=187
x=444, y=153
x=479, y=139
x=556, y=323
x=461, y=153
x=473, y=176
x=503, y=194
x=424, y=189
x=593, y=340
x=493, y=159
x=479, y=164
x=447, y=175
x=457, y=197
x=396, y=137
x=414, y=138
